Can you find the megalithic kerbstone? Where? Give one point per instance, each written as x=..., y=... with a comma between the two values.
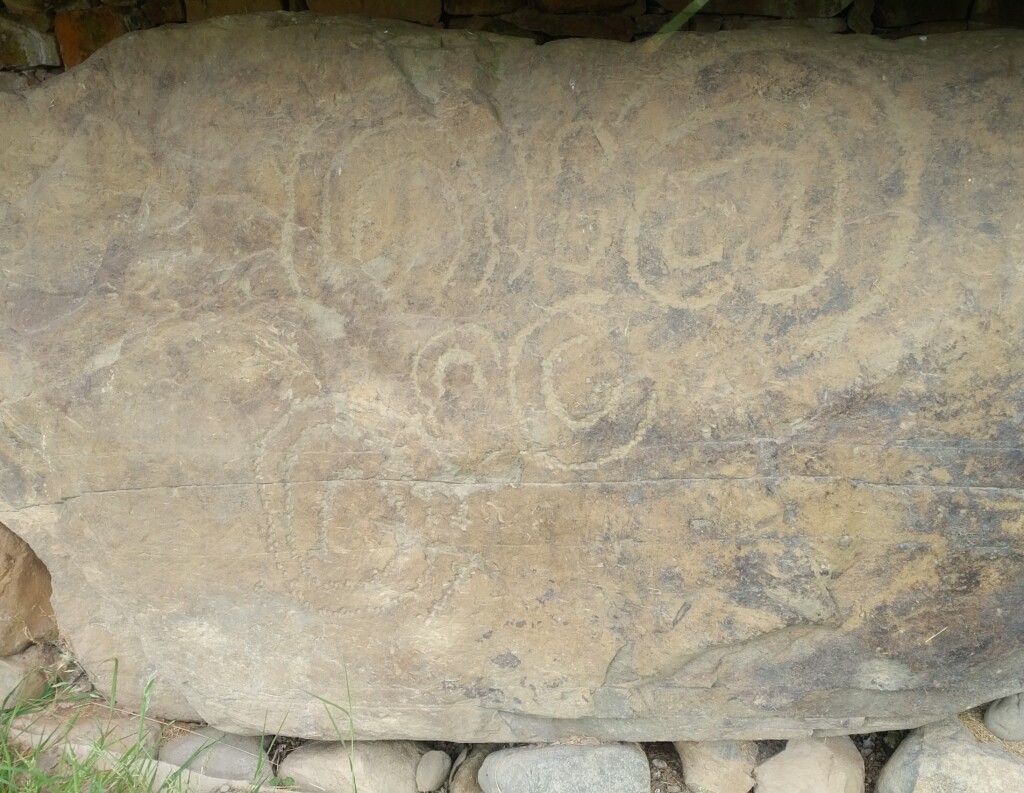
x=499, y=392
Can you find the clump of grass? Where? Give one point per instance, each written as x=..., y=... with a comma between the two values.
x=111, y=763
x=53, y=765
x=350, y=718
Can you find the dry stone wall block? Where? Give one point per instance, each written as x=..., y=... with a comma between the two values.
x=718, y=766
x=376, y=766
x=946, y=757
x=214, y=753
x=32, y=9
x=23, y=46
x=579, y=6
x=464, y=779
x=432, y=771
x=1005, y=717
x=25, y=612
x=899, y=13
x=82, y=31
x=426, y=12
x=859, y=17
x=481, y=7
x=196, y=10
x=162, y=12
x=603, y=26
x=813, y=765
x=620, y=768
x=997, y=12
x=772, y=8
x=24, y=677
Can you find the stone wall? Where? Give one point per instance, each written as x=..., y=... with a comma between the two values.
x=40, y=36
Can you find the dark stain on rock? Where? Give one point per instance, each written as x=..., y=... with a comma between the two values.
x=507, y=660
x=670, y=579
x=894, y=185
x=478, y=690
x=840, y=296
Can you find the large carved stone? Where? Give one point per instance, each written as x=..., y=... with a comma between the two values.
x=509, y=392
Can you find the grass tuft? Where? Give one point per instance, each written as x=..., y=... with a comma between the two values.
x=41, y=752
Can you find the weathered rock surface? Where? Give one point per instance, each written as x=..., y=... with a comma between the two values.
x=465, y=777
x=613, y=768
x=24, y=676
x=813, y=765
x=718, y=766
x=896, y=13
x=1005, y=717
x=23, y=46
x=947, y=758
x=216, y=754
x=539, y=391
x=432, y=770
x=376, y=766
x=25, y=612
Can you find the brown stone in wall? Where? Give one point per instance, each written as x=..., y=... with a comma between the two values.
x=36, y=11
x=162, y=12
x=492, y=25
x=481, y=7
x=933, y=28
x=536, y=392
x=25, y=8
x=819, y=24
x=900, y=13
x=196, y=10
x=579, y=6
x=790, y=9
x=706, y=23
x=23, y=45
x=426, y=12
x=617, y=27
x=80, y=32
x=1008, y=13
x=859, y=16
x=651, y=23
x=25, y=612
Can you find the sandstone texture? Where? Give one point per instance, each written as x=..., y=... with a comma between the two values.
x=432, y=770
x=24, y=677
x=375, y=766
x=25, y=612
x=813, y=765
x=496, y=392
x=718, y=766
x=946, y=758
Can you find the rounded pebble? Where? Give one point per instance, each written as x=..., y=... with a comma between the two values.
x=432, y=771
x=1005, y=717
